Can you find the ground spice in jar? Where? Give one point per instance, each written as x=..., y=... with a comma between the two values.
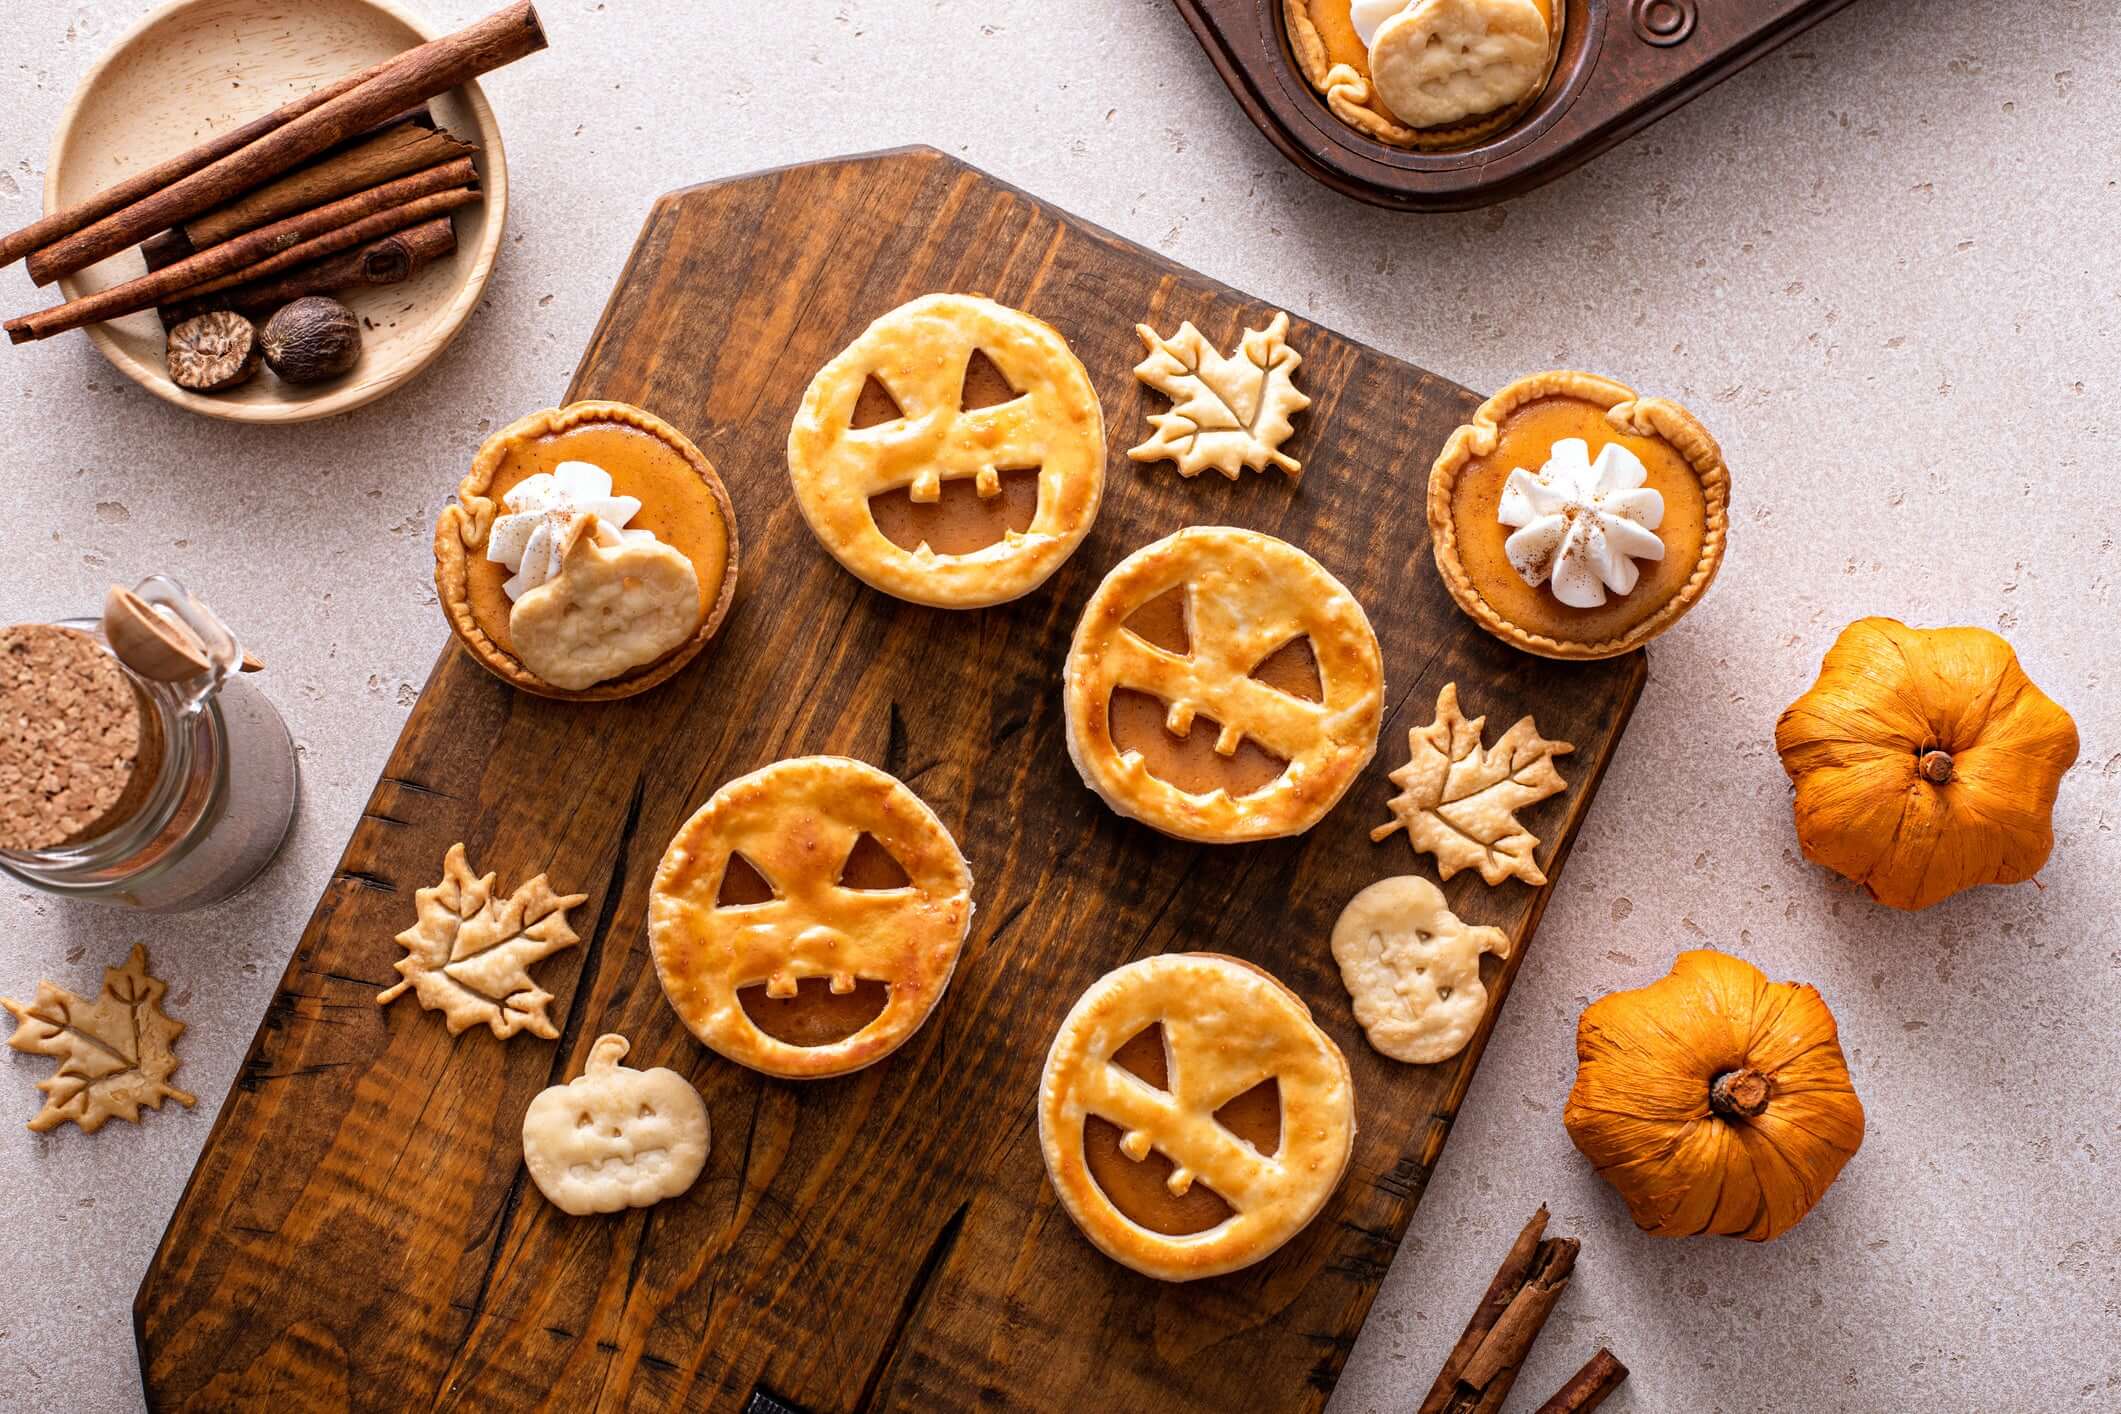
x=77, y=750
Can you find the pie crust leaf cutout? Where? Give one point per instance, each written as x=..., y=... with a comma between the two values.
x=1458, y=800
x=1412, y=969
x=615, y=1137
x=1226, y=413
x=469, y=956
x=115, y=1053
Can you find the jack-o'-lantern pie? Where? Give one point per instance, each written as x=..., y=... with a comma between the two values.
x=1222, y=686
x=1426, y=74
x=1192, y=1115
x=807, y=918
x=1573, y=519
x=590, y=554
x=953, y=455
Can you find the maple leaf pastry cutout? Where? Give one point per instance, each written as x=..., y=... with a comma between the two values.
x=1226, y=413
x=115, y=1053
x=469, y=956
x=1458, y=800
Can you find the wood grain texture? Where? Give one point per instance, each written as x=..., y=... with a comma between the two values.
x=359, y=1232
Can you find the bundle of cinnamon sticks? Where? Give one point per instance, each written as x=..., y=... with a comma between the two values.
x=351, y=183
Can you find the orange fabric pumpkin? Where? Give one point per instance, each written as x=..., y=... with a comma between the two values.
x=1925, y=762
x=1714, y=1099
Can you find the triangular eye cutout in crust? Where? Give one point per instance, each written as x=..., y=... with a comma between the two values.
x=1293, y=668
x=1145, y=1058
x=1255, y=1116
x=742, y=883
x=1163, y=622
x=875, y=406
x=870, y=867
x=985, y=387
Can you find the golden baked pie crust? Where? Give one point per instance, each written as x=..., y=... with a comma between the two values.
x=1228, y=1026
x=919, y=352
x=1628, y=415
x=462, y=528
x=796, y=822
x=1347, y=91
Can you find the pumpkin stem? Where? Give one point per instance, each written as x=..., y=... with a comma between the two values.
x=1739, y=1094
x=1936, y=766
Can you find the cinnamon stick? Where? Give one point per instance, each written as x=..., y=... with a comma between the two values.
x=61, y=224
x=1588, y=1387
x=350, y=221
x=392, y=260
x=1478, y=1373
x=411, y=78
x=394, y=151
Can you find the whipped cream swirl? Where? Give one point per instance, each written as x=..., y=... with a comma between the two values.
x=1367, y=15
x=1583, y=524
x=533, y=536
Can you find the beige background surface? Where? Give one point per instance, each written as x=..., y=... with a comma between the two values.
x=1883, y=265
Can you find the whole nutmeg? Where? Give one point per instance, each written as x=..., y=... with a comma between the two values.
x=213, y=352
x=313, y=339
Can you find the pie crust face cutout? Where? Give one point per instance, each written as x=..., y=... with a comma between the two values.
x=1225, y=413
x=910, y=470
x=1135, y=1158
x=1458, y=800
x=653, y=488
x=1338, y=63
x=1242, y=599
x=470, y=953
x=1412, y=969
x=763, y=891
x=1554, y=492
x=615, y=1137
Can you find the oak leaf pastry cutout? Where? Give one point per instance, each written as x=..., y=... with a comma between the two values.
x=469, y=955
x=1458, y=800
x=115, y=1053
x=615, y=1137
x=806, y=920
x=1226, y=413
x=1412, y=969
x=1192, y=1116
x=938, y=458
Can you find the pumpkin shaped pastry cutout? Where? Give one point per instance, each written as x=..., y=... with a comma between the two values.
x=1713, y=1099
x=1925, y=762
x=1426, y=74
x=590, y=554
x=615, y=1137
x=1572, y=518
x=807, y=918
x=1221, y=687
x=953, y=455
x=1412, y=969
x=1192, y=1115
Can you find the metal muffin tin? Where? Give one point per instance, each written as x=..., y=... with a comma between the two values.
x=1623, y=65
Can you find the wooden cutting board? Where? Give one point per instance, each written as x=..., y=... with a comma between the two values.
x=359, y=1232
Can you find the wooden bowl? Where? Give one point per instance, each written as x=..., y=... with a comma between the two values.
x=194, y=67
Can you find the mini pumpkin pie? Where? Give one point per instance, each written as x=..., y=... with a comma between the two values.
x=590, y=554
x=1222, y=686
x=1426, y=74
x=807, y=918
x=953, y=455
x=1192, y=1115
x=1574, y=519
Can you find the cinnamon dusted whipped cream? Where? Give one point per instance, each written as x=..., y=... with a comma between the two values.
x=1582, y=524
x=531, y=539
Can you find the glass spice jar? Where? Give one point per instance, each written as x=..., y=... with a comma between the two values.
x=138, y=767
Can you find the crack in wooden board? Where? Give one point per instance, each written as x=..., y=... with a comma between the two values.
x=796, y=1262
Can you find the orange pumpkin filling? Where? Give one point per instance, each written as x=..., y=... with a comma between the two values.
x=675, y=504
x=1142, y=1189
x=1527, y=437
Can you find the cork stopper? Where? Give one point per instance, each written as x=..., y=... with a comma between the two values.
x=78, y=754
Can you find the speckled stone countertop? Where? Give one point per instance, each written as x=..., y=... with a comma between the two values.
x=1881, y=264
